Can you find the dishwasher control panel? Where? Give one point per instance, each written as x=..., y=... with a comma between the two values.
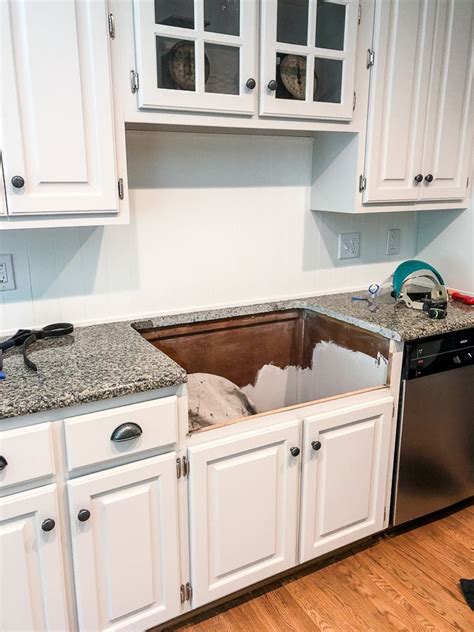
x=434, y=355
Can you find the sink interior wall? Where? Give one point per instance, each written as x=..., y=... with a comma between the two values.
x=280, y=358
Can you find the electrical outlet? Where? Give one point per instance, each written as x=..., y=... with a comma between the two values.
x=349, y=245
x=7, y=278
x=394, y=236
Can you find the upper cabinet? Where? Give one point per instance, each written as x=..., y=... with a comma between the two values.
x=59, y=137
x=420, y=109
x=196, y=55
x=308, y=50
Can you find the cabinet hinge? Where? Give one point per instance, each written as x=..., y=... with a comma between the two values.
x=354, y=101
x=185, y=592
x=134, y=81
x=182, y=467
x=384, y=513
x=362, y=183
x=111, y=21
x=393, y=409
x=359, y=14
x=370, y=57
x=467, y=183
x=120, y=188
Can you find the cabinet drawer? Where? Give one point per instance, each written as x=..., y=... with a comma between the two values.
x=89, y=438
x=28, y=454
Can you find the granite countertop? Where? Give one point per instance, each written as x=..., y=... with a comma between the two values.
x=111, y=360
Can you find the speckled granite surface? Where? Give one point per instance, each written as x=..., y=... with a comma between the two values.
x=106, y=361
x=93, y=363
x=390, y=320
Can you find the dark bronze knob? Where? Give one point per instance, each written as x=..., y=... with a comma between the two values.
x=48, y=524
x=251, y=83
x=295, y=451
x=18, y=182
x=429, y=178
x=3, y=463
x=272, y=85
x=418, y=177
x=83, y=515
x=316, y=445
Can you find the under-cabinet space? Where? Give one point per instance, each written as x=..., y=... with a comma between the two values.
x=243, y=503
x=32, y=589
x=345, y=469
x=196, y=55
x=125, y=544
x=242, y=366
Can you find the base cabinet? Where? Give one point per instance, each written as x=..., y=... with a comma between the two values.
x=125, y=538
x=32, y=593
x=243, y=496
x=345, y=456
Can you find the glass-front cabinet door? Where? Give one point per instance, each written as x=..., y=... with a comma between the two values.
x=308, y=50
x=197, y=54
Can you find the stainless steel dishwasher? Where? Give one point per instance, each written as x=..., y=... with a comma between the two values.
x=434, y=460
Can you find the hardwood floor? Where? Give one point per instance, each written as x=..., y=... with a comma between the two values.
x=408, y=581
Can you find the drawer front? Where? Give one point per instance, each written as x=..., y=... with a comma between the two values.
x=25, y=454
x=89, y=437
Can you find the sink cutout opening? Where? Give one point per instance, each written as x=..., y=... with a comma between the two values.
x=247, y=365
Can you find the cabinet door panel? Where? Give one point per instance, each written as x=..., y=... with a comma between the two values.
x=57, y=107
x=243, y=510
x=126, y=556
x=449, y=129
x=398, y=97
x=32, y=593
x=344, y=481
x=308, y=54
x=196, y=55
x=3, y=199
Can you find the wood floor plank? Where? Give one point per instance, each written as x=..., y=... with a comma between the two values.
x=408, y=581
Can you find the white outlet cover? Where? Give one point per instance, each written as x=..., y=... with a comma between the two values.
x=7, y=277
x=349, y=245
x=394, y=236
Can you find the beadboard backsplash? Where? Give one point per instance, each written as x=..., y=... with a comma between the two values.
x=215, y=220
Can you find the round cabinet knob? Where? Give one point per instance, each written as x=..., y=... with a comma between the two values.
x=272, y=85
x=48, y=524
x=3, y=463
x=18, y=182
x=251, y=83
x=418, y=177
x=83, y=515
x=295, y=451
x=316, y=445
x=429, y=178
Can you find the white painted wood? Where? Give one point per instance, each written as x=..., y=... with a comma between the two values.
x=126, y=556
x=398, y=98
x=32, y=593
x=29, y=454
x=344, y=482
x=307, y=108
x=58, y=131
x=450, y=111
x=150, y=96
x=243, y=496
x=88, y=437
x=3, y=199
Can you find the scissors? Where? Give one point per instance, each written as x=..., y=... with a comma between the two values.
x=24, y=338
x=372, y=290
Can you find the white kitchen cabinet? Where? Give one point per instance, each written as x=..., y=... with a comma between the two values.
x=61, y=145
x=3, y=199
x=420, y=107
x=32, y=590
x=243, y=503
x=345, y=469
x=125, y=540
x=308, y=50
x=196, y=55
